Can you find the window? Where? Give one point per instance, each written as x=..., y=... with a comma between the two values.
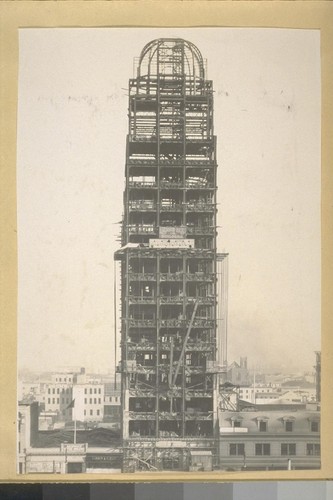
x=84, y=412
x=262, y=425
x=99, y=401
x=313, y=449
x=90, y=400
x=99, y=391
x=49, y=391
x=49, y=400
x=91, y=412
x=97, y=412
x=85, y=391
x=237, y=423
x=314, y=426
x=53, y=391
x=95, y=401
x=288, y=449
x=57, y=400
x=263, y=449
x=116, y=399
x=85, y=401
x=90, y=391
x=63, y=401
x=237, y=449
x=53, y=401
x=58, y=390
x=289, y=426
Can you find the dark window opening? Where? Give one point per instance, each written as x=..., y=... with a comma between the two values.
x=288, y=449
x=289, y=426
x=263, y=449
x=262, y=426
x=237, y=449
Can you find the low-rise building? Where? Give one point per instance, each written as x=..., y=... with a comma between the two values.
x=41, y=452
x=72, y=458
x=27, y=430
x=275, y=437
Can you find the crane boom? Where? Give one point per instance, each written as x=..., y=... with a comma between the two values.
x=185, y=341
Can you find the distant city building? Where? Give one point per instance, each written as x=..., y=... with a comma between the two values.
x=31, y=391
x=88, y=402
x=267, y=394
x=58, y=397
x=238, y=373
x=112, y=403
x=74, y=396
x=63, y=378
x=259, y=393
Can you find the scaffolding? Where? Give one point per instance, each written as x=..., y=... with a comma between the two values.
x=170, y=352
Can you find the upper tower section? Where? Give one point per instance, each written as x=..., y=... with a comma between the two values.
x=171, y=160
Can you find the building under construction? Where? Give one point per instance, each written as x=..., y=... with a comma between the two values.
x=171, y=352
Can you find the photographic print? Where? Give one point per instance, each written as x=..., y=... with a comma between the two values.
x=168, y=196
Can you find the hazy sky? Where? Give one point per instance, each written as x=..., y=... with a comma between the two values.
x=72, y=125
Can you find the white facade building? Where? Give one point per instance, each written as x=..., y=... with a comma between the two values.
x=88, y=402
x=58, y=397
x=275, y=394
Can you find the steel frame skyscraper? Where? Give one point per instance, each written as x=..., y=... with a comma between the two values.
x=169, y=342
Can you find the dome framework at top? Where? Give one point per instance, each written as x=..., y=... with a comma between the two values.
x=171, y=57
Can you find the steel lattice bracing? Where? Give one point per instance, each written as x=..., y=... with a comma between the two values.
x=168, y=262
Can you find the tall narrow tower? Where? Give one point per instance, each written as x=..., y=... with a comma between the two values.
x=169, y=264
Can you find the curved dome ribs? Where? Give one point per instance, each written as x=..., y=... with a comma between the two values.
x=171, y=57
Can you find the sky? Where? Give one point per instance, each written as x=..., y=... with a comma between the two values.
x=72, y=126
